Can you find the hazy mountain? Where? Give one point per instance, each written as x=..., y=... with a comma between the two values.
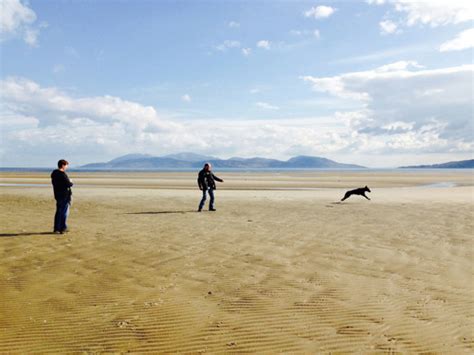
x=195, y=161
x=461, y=164
x=130, y=157
x=189, y=156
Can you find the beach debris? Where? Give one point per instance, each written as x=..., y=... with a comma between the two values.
x=123, y=324
x=151, y=304
x=232, y=343
x=209, y=292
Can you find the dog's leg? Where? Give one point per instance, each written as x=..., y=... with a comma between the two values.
x=346, y=196
x=366, y=197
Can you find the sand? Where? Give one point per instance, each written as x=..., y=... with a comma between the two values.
x=282, y=266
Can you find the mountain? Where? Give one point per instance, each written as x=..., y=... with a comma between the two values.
x=195, y=161
x=189, y=157
x=461, y=164
x=130, y=157
x=303, y=161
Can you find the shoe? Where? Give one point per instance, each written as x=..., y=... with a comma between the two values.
x=56, y=232
x=199, y=210
x=212, y=209
x=64, y=231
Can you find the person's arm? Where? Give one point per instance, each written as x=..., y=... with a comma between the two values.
x=199, y=182
x=67, y=182
x=217, y=179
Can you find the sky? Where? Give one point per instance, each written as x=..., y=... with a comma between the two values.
x=380, y=83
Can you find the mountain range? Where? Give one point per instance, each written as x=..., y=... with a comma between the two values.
x=194, y=161
x=461, y=164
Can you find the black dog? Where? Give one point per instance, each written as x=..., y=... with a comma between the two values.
x=361, y=191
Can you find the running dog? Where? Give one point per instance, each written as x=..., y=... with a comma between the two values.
x=361, y=191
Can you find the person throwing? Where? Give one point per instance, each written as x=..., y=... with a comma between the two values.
x=207, y=184
x=62, y=194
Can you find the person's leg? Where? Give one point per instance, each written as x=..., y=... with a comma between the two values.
x=63, y=207
x=211, y=202
x=57, y=217
x=65, y=215
x=203, y=200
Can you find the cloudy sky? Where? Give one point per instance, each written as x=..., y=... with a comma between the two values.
x=380, y=83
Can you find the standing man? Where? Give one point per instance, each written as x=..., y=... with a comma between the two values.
x=207, y=183
x=62, y=194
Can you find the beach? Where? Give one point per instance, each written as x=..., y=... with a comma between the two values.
x=281, y=266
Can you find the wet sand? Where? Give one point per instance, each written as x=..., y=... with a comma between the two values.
x=282, y=266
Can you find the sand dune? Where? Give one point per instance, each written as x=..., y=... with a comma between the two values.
x=273, y=270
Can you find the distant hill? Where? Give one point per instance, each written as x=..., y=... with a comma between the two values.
x=194, y=161
x=462, y=164
x=189, y=156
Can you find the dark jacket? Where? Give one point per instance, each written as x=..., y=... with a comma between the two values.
x=61, y=185
x=206, y=180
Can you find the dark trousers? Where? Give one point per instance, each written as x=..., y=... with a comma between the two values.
x=203, y=200
x=62, y=211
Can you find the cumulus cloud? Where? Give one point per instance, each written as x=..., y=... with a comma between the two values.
x=246, y=51
x=431, y=13
x=388, y=27
x=314, y=33
x=266, y=106
x=406, y=107
x=463, y=40
x=435, y=12
x=17, y=20
x=40, y=124
x=227, y=44
x=233, y=24
x=319, y=12
x=263, y=44
x=405, y=111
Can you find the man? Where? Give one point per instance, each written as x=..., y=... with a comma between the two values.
x=62, y=194
x=207, y=183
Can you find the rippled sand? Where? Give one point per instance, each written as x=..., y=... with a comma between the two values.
x=282, y=266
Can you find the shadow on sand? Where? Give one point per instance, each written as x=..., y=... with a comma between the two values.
x=162, y=212
x=5, y=235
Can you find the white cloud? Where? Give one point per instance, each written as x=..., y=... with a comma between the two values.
x=41, y=124
x=435, y=12
x=296, y=32
x=388, y=27
x=233, y=24
x=406, y=112
x=405, y=107
x=315, y=33
x=319, y=12
x=400, y=65
x=246, y=51
x=263, y=44
x=17, y=20
x=266, y=106
x=227, y=44
x=186, y=98
x=463, y=40
x=432, y=13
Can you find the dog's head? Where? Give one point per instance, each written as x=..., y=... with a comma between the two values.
x=366, y=188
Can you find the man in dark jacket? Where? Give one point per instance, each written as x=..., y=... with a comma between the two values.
x=62, y=194
x=207, y=183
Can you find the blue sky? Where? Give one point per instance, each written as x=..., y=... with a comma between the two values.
x=379, y=83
